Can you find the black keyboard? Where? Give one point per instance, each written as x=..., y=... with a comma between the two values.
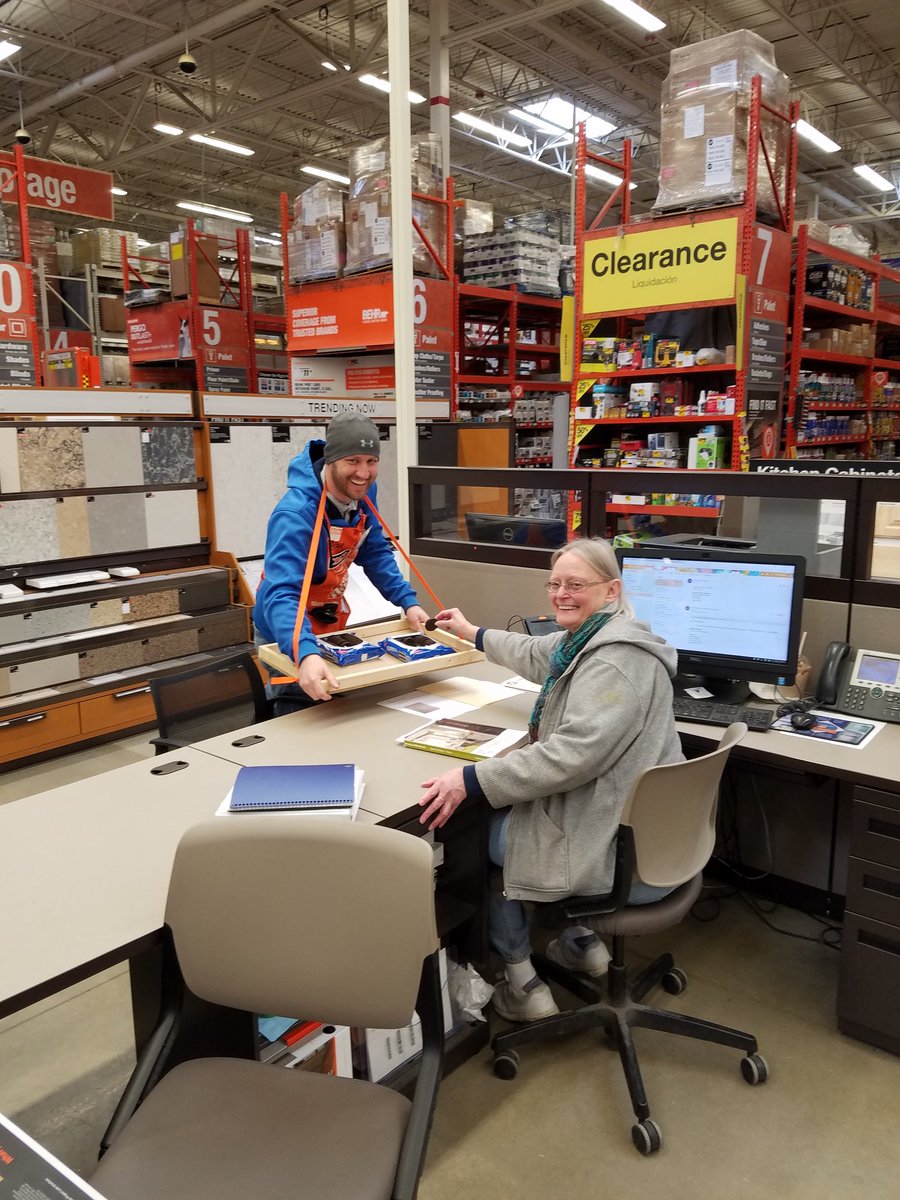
x=711, y=712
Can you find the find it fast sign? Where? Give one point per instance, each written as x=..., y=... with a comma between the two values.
x=666, y=267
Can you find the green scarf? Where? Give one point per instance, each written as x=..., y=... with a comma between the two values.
x=560, y=660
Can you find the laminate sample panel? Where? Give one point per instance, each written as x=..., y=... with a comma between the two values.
x=242, y=492
x=108, y=612
x=167, y=453
x=226, y=628
x=45, y=623
x=118, y=523
x=9, y=461
x=28, y=532
x=170, y=645
x=51, y=458
x=112, y=456
x=5, y=688
x=172, y=518
x=73, y=527
x=46, y=672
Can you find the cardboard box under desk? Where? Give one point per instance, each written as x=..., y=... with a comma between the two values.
x=385, y=669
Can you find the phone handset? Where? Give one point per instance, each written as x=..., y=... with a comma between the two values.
x=830, y=676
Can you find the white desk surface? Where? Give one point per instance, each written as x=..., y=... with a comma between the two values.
x=85, y=867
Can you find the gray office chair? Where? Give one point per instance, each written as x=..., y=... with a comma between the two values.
x=311, y=917
x=666, y=836
x=216, y=697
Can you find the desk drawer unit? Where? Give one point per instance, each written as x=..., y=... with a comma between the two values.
x=869, y=988
x=35, y=730
x=124, y=709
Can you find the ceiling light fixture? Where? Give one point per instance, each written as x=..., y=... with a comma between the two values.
x=268, y=241
x=605, y=176
x=635, y=13
x=117, y=191
x=872, y=176
x=384, y=85
x=514, y=139
x=142, y=243
x=565, y=115
x=805, y=130
x=8, y=48
x=542, y=126
x=323, y=174
x=219, y=144
x=329, y=66
x=171, y=130
x=210, y=210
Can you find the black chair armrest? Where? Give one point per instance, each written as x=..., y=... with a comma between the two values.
x=164, y=744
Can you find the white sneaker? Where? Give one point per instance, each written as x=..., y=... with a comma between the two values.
x=531, y=1003
x=592, y=960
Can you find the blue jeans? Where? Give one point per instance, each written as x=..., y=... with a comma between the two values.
x=507, y=919
x=286, y=697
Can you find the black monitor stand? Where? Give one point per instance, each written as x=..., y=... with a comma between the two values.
x=726, y=691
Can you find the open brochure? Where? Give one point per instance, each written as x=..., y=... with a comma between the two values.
x=829, y=727
x=29, y=1172
x=464, y=739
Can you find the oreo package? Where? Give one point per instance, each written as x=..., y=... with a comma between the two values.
x=345, y=649
x=410, y=647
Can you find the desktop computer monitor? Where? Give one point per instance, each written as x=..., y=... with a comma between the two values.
x=733, y=616
x=541, y=532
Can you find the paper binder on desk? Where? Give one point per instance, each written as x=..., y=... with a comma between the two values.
x=316, y=788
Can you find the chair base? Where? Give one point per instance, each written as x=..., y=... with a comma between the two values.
x=617, y=1016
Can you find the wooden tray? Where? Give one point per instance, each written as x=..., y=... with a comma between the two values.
x=385, y=669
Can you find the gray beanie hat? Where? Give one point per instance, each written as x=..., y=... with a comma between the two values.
x=348, y=434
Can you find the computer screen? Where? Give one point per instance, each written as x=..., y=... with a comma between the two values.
x=730, y=614
x=542, y=532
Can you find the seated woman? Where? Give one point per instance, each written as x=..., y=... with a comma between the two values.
x=603, y=715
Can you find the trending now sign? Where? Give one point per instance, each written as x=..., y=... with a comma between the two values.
x=59, y=187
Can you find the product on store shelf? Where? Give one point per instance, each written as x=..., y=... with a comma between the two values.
x=513, y=258
x=316, y=243
x=704, y=124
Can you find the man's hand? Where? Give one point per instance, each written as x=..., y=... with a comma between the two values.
x=315, y=678
x=417, y=616
x=443, y=796
x=453, y=621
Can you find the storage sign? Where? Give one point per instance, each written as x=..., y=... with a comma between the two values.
x=666, y=267
x=59, y=187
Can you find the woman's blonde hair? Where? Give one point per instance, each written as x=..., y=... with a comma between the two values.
x=601, y=558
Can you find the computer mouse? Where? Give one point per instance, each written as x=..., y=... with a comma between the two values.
x=802, y=720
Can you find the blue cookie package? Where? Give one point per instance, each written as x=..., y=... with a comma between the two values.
x=410, y=647
x=345, y=649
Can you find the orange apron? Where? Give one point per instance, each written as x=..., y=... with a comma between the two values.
x=326, y=607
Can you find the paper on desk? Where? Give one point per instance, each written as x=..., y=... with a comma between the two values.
x=474, y=693
x=359, y=786
x=521, y=685
x=834, y=728
x=421, y=704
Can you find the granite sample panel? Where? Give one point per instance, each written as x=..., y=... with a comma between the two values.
x=242, y=496
x=46, y=672
x=144, y=606
x=387, y=482
x=9, y=461
x=208, y=591
x=226, y=628
x=51, y=458
x=108, y=612
x=171, y=645
x=106, y=659
x=112, y=456
x=73, y=527
x=54, y=622
x=172, y=518
x=117, y=523
x=28, y=532
x=167, y=454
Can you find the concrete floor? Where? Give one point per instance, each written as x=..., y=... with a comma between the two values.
x=822, y=1128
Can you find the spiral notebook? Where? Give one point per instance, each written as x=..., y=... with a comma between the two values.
x=318, y=787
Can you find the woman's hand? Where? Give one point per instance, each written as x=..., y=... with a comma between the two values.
x=443, y=796
x=453, y=621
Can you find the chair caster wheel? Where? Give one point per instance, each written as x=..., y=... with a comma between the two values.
x=506, y=1065
x=674, y=981
x=647, y=1137
x=754, y=1069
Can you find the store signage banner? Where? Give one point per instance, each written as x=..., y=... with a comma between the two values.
x=220, y=337
x=370, y=377
x=353, y=314
x=59, y=187
x=159, y=332
x=659, y=268
x=849, y=468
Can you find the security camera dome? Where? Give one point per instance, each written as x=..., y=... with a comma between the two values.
x=187, y=64
x=23, y=137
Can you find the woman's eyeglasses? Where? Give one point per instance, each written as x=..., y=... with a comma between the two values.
x=572, y=586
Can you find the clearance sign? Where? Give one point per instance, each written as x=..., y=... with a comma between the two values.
x=659, y=268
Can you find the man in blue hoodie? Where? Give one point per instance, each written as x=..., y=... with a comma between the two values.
x=345, y=467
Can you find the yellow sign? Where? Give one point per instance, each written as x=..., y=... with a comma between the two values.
x=581, y=432
x=567, y=339
x=671, y=267
x=584, y=385
x=740, y=309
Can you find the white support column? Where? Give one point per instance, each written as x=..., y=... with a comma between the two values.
x=439, y=80
x=402, y=246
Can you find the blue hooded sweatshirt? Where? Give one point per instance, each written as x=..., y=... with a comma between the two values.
x=288, y=537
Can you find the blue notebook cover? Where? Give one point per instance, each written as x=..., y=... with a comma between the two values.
x=258, y=789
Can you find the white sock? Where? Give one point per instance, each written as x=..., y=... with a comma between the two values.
x=520, y=973
x=580, y=938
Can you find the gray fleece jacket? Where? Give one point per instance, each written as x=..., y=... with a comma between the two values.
x=608, y=717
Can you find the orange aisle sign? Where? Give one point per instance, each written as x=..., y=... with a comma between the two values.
x=59, y=187
x=17, y=365
x=221, y=349
x=657, y=268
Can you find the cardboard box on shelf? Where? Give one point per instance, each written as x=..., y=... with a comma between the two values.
x=704, y=123
x=209, y=285
x=368, y=231
x=706, y=452
x=370, y=166
x=101, y=247
x=112, y=314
